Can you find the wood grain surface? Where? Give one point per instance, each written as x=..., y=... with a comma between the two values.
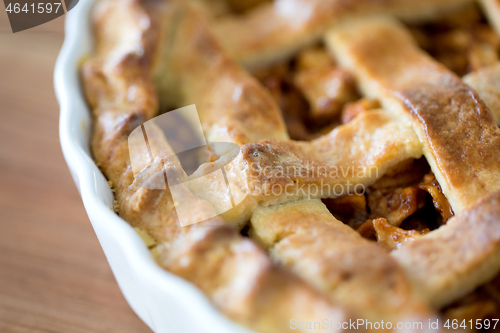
x=53, y=274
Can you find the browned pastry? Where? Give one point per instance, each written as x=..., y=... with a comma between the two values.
x=280, y=253
x=211, y=254
x=292, y=24
x=342, y=264
x=330, y=146
x=447, y=263
x=458, y=131
x=232, y=106
x=460, y=138
x=486, y=81
x=354, y=154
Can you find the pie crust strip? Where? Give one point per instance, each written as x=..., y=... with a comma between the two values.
x=460, y=137
x=375, y=139
x=486, y=82
x=452, y=261
x=461, y=143
x=231, y=270
x=236, y=275
x=304, y=236
x=232, y=105
x=275, y=31
x=344, y=161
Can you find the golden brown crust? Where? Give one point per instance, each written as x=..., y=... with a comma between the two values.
x=486, y=82
x=455, y=259
x=232, y=105
x=350, y=157
x=332, y=256
x=242, y=282
x=292, y=24
x=143, y=41
x=210, y=254
x=460, y=136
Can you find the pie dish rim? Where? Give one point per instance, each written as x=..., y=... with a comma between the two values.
x=149, y=289
x=101, y=188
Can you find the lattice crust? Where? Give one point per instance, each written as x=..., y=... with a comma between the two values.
x=152, y=53
x=351, y=270
x=460, y=137
x=232, y=105
x=237, y=275
x=461, y=141
x=359, y=152
x=292, y=24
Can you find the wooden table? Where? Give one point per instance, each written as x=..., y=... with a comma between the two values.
x=53, y=274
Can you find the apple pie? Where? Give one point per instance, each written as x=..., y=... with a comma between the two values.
x=366, y=185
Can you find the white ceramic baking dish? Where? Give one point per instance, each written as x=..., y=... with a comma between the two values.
x=165, y=302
